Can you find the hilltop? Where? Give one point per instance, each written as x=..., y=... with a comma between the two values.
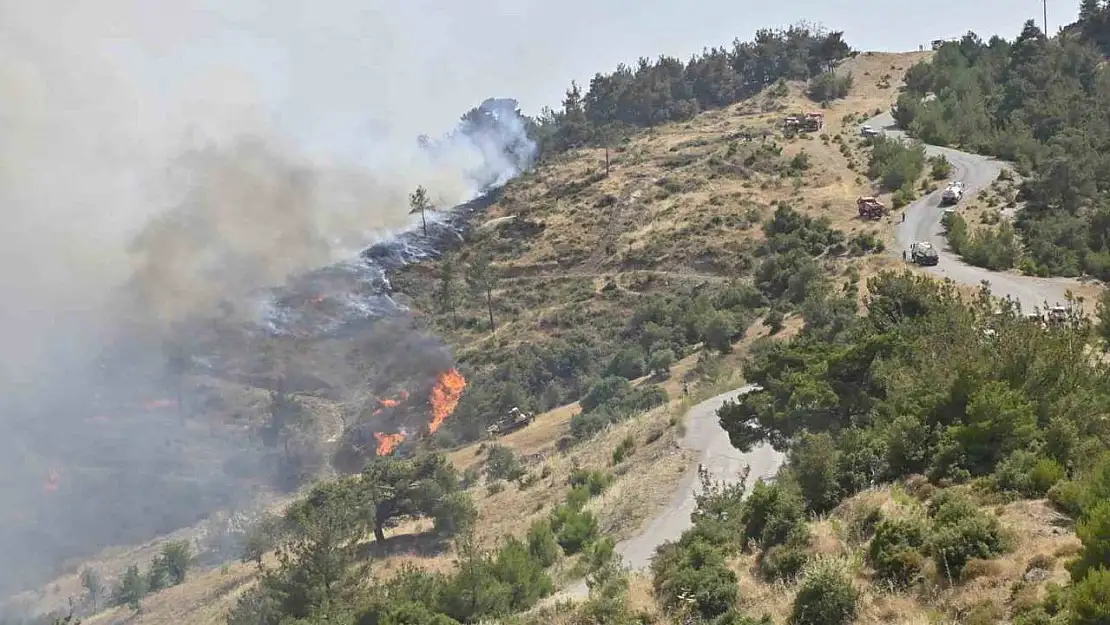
x=940, y=447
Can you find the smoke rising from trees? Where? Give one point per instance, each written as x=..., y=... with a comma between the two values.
x=140, y=188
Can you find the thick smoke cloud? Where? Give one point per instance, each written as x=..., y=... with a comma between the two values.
x=131, y=208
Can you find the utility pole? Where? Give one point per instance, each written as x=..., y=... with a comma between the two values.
x=1044, y=4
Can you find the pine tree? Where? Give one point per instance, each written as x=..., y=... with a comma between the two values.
x=419, y=203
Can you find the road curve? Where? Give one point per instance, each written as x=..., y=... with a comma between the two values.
x=923, y=219
x=704, y=434
x=724, y=462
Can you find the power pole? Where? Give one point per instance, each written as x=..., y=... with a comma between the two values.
x=1044, y=4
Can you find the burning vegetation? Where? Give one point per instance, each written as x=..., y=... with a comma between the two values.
x=443, y=399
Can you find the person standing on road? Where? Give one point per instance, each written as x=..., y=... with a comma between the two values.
x=903, y=255
x=903, y=218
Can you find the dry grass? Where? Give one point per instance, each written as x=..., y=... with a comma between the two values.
x=1005, y=585
x=679, y=206
x=669, y=213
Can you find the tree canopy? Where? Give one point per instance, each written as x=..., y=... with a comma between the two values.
x=1043, y=103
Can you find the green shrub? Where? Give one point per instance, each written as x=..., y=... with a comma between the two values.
x=1090, y=599
x=829, y=86
x=624, y=449
x=627, y=363
x=962, y=532
x=773, y=514
x=940, y=168
x=1028, y=475
x=594, y=481
x=1068, y=496
x=574, y=528
x=826, y=597
x=896, y=550
x=696, y=570
x=895, y=164
x=502, y=463
x=1094, y=530
x=660, y=361
x=542, y=543
x=783, y=562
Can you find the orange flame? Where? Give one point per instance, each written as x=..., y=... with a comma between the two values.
x=158, y=403
x=388, y=442
x=319, y=299
x=445, y=397
x=389, y=403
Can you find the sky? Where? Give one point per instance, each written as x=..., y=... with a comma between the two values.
x=336, y=74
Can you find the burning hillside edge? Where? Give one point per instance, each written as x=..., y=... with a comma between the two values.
x=205, y=423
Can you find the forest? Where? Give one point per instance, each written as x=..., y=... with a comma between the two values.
x=1044, y=104
x=668, y=90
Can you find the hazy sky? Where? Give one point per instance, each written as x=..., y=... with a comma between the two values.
x=338, y=72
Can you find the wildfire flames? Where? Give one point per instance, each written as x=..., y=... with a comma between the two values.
x=444, y=399
x=388, y=442
x=159, y=403
x=390, y=402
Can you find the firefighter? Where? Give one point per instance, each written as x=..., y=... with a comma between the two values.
x=903, y=255
x=903, y=218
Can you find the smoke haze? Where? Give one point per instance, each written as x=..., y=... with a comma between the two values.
x=143, y=186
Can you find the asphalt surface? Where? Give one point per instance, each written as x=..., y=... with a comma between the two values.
x=704, y=433
x=923, y=219
x=724, y=462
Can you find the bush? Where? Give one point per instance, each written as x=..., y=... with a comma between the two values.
x=660, y=361
x=542, y=543
x=694, y=569
x=783, y=562
x=1090, y=599
x=1094, y=530
x=826, y=597
x=814, y=461
x=1068, y=496
x=896, y=549
x=627, y=363
x=894, y=164
x=606, y=390
x=1028, y=475
x=502, y=463
x=829, y=86
x=624, y=449
x=962, y=532
x=575, y=529
x=940, y=168
x=902, y=197
x=595, y=482
x=773, y=514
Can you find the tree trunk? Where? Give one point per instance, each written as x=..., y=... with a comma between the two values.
x=454, y=317
x=489, y=306
x=606, y=161
x=379, y=532
x=424, y=220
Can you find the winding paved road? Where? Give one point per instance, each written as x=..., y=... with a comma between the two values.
x=704, y=433
x=724, y=463
x=923, y=224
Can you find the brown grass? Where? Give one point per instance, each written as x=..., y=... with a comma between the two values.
x=674, y=218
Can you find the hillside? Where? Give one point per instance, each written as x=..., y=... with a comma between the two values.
x=662, y=254
x=1041, y=103
x=940, y=450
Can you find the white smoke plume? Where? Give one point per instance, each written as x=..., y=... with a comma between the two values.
x=133, y=197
